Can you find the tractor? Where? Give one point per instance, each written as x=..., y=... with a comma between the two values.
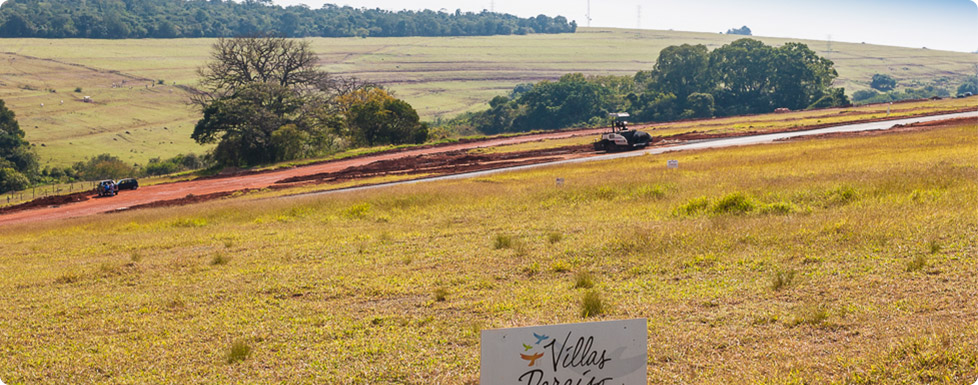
x=621, y=138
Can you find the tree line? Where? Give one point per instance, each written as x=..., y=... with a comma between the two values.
x=125, y=19
x=688, y=81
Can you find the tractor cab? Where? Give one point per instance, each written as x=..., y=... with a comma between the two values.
x=620, y=137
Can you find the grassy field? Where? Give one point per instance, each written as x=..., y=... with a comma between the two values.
x=847, y=261
x=441, y=77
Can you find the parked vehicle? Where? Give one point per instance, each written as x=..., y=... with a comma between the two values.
x=107, y=188
x=128, y=184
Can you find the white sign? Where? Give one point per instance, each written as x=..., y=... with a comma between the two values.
x=595, y=353
x=672, y=164
x=560, y=181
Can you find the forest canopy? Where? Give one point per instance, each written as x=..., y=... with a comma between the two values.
x=134, y=19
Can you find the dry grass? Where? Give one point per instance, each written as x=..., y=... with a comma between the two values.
x=345, y=288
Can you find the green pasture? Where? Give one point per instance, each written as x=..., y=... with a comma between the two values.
x=440, y=76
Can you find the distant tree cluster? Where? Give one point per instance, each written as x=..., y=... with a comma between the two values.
x=688, y=81
x=883, y=82
x=122, y=19
x=739, y=31
x=883, y=89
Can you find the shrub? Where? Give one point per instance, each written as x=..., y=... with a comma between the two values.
x=78, y=89
x=591, y=304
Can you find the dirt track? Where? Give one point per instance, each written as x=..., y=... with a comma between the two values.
x=445, y=159
x=212, y=188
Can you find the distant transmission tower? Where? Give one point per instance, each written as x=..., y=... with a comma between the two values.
x=588, y=16
x=638, y=16
x=828, y=53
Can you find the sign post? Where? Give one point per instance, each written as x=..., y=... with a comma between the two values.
x=606, y=353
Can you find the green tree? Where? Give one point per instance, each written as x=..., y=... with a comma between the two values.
x=570, y=100
x=103, y=166
x=700, y=105
x=742, y=71
x=682, y=70
x=12, y=180
x=883, y=82
x=799, y=76
x=258, y=91
x=375, y=117
x=970, y=85
x=16, y=155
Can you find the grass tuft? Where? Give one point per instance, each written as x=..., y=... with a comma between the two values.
x=917, y=263
x=502, y=241
x=734, y=203
x=583, y=280
x=812, y=315
x=441, y=294
x=357, y=211
x=592, y=305
x=219, y=259
x=692, y=207
x=782, y=279
x=240, y=350
x=554, y=237
x=67, y=277
x=934, y=247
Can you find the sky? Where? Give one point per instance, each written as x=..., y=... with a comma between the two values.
x=936, y=24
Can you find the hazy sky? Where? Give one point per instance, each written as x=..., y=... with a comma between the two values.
x=935, y=24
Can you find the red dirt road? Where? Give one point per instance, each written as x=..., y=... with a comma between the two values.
x=213, y=187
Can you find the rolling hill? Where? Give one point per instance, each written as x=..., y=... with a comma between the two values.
x=138, y=87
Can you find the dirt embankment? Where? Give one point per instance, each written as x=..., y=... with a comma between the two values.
x=452, y=162
x=49, y=201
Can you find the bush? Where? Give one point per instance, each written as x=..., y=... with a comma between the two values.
x=12, y=180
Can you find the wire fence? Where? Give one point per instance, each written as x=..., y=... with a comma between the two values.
x=18, y=197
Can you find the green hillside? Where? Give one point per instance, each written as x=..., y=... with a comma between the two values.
x=440, y=76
